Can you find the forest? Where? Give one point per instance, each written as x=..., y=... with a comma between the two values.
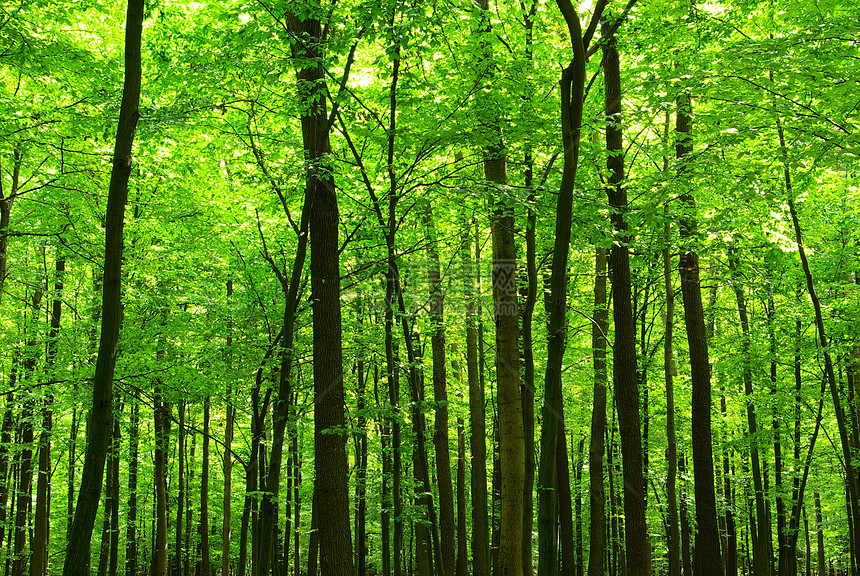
x=429, y=288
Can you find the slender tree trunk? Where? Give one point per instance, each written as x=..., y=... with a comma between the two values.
x=39, y=543
x=113, y=562
x=686, y=555
x=477, y=419
x=162, y=436
x=567, y=546
x=596, y=449
x=99, y=431
x=25, y=477
x=462, y=565
x=361, y=476
x=819, y=530
x=761, y=545
x=706, y=559
x=440, y=397
x=229, y=424
x=179, y=550
x=572, y=90
x=624, y=351
x=674, y=535
x=580, y=568
x=203, y=528
x=5, y=458
x=850, y=472
x=131, y=549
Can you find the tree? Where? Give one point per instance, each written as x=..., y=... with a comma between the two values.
x=100, y=429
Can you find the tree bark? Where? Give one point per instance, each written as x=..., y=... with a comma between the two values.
x=596, y=448
x=674, y=536
x=131, y=550
x=707, y=560
x=203, y=528
x=462, y=563
x=477, y=417
x=440, y=397
x=99, y=431
x=624, y=352
x=229, y=424
x=330, y=462
x=162, y=435
x=39, y=543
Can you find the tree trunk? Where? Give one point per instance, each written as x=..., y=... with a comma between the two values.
x=179, y=550
x=596, y=449
x=203, y=528
x=39, y=543
x=706, y=558
x=624, y=351
x=162, y=437
x=477, y=418
x=819, y=530
x=229, y=424
x=440, y=397
x=99, y=431
x=674, y=536
x=686, y=555
x=462, y=565
x=131, y=549
x=330, y=462
x=25, y=477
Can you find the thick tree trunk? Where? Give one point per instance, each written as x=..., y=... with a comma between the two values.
x=330, y=462
x=99, y=431
x=707, y=560
x=624, y=352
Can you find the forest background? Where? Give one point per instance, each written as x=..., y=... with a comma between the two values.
x=481, y=368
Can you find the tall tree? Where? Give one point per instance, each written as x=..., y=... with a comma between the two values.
x=99, y=430
x=624, y=351
x=707, y=560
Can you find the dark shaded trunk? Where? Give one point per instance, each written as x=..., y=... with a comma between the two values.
x=162, y=437
x=572, y=88
x=204, y=568
x=41, y=522
x=596, y=449
x=227, y=461
x=686, y=555
x=181, y=481
x=99, y=431
x=673, y=536
x=440, y=397
x=761, y=546
x=330, y=462
x=462, y=565
x=25, y=427
x=477, y=415
x=131, y=549
x=527, y=389
x=707, y=560
x=361, y=474
x=624, y=351
x=567, y=546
